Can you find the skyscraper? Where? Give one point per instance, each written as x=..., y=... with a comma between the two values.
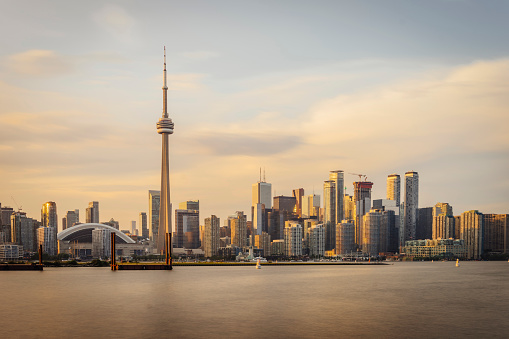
x=496, y=233
x=154, y=199
x=298, y=194
x=329, y=213
x=211, y=236
x=362, y=199
x=443, y=226
x=394, y=188
x=239, y=230
x=143, y=225
x=49, y=214
x=411, y=205
x=93, y=212
x=472, y=231
x=165, y=128
x=339, y=185
x=261, y=200
x=71, y=218
x=187, y=225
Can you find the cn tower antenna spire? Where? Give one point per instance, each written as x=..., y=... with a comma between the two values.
x=165, y=89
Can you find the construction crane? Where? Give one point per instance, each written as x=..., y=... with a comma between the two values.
x=360, y=176
x=19, y=207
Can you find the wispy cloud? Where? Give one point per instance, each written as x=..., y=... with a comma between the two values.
x=40, y=63
x=117, y=22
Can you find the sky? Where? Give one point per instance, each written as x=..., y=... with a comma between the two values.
x=298, y=88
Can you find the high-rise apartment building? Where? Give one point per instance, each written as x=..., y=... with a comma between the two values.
x=472, y=231
x=49, y=214
x=329, y=213
x=362, y=198
x=293, y=239
x=411, y=205
x=424, y=226
x=345, y=237
x=24, y=231
x=211, y=236
x=262, y=241
x=154, y=198
x=47, y=237
x=443, y=222
x=239, y=230
x=93, y=212
x=316, y=242
x=5, y=224
x=496, y=233
x=71, y=218
x=143, y=225
x=371, y=232
x=394, y=188
x=337, y=177
x=348, y=207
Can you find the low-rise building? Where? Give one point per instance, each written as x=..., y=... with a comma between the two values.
x=429, y=248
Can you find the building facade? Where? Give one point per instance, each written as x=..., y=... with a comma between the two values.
x=411, y=205
x=394, y=188
x=211, y=236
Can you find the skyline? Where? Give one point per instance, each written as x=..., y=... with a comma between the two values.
x=79, y=101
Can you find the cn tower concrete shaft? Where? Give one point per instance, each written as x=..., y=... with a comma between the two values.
x=164, y=127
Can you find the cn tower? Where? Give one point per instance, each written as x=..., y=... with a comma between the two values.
x=164, y=127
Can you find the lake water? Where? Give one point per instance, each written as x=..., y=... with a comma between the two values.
x=414, y=299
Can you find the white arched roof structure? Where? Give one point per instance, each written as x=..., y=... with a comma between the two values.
x=92, y=226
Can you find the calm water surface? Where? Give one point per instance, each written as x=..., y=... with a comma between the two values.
x=421, y=299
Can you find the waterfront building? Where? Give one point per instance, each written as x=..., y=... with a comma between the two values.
x=47, y=237
x=49, y=214
x=298, y=194
x=187, y=229
x=101, y=243
x=337, y=177
x=293, y=239
x=92, y=212
x=371, y=232
x=211, y=236
x=10, y=252
x=394, y=188
x=329, y=212
x=24, y=231
x=5, y=224
x=424, y=224
x=472, y=231
x=143, y=225
x=443, y=222
x=432, y=248
x=496, y=233
x=239, y=230
x=411, y=205
x=154, y=200
x=316, y=242
x=262, y=241
x=277, y=247
x=362, y=198
x=345, y=237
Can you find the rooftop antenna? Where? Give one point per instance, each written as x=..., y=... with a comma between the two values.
x=264, y=174
x=260, y=174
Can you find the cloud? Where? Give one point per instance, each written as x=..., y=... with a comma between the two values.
x=40, y=63
x=117, y=22
x=259, y=144
x=184, y=82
